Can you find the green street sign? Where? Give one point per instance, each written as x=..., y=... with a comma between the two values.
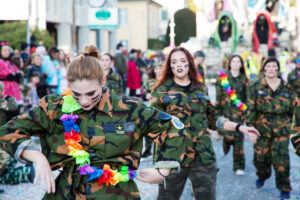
x=103, y=14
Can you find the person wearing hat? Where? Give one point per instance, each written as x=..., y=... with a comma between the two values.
x=294, y=76
x=154, y=74
x=199, y=58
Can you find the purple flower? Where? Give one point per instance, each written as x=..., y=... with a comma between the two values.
x=86, y=169
x=132, y=174
x=65, y=117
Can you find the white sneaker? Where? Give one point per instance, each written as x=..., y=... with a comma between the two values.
x=240, y=172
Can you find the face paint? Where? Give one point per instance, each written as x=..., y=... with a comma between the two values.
x=77, y=99
x=179, y=64
x=86, y=98
x=96, y=98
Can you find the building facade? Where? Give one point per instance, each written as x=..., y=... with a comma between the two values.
x=140, y=20
x=66, y=20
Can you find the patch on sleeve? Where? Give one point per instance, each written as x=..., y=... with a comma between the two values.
x=177, y=123
x=202, y=96
x=167, y=99
x=164, y=116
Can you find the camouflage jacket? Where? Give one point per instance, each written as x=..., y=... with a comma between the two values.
x=8, y=107
x=148, y=85
x=194, y=109
x=224, y=104
x=263, y=102
x=112, y=132
x=294, y=81
x=295, y=135
x=114, y=82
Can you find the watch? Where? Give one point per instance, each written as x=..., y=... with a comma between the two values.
x=96, y=3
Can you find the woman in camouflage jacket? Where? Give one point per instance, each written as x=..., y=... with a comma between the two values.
x=113, y=79
x=108, y=129
x=270, y=109
x=238, y=82
x=181, y=94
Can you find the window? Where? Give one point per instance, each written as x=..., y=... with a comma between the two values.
x=123, y=17
x=164, y=15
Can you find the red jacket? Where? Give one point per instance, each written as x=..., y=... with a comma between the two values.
x=272, y=32
x=133, y=76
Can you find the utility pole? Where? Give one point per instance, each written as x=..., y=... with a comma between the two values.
x=74, y=41
x=28, y=24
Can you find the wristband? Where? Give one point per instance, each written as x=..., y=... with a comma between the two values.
x=238, y=127
x=161, y=173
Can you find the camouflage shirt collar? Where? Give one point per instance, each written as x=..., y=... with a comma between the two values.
x=264, y=83
x=110, y=72
x=105, y=104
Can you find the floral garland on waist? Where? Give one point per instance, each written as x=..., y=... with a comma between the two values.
x=231, y=93
x=82, y=158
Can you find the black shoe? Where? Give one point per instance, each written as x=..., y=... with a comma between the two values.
x=285, y=195
x=146, y=154
x=259, y=183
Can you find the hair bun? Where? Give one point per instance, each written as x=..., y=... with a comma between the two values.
x=91, y=50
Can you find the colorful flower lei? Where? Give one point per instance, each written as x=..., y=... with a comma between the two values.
x=231, y=93
x=82, y=158
x=200, y=77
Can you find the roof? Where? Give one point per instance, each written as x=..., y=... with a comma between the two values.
x=150, y=1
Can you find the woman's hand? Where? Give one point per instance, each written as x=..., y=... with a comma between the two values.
x=42, y=169
x=151, y=175
x=251, y=132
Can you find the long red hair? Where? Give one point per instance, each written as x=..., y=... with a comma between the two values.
x=167, y=71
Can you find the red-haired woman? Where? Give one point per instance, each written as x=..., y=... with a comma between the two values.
x=180, y=94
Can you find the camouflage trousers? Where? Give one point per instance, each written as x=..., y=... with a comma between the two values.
x=235, y=139
x=203, y=179
x=272, y=148
x=13, y=174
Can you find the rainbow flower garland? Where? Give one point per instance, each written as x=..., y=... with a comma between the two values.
x=200, y=77
x=231, y=93
x=82, y=158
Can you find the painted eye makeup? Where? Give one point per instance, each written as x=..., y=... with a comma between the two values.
x=75, y=94
x=76, y=98
x=90, y=93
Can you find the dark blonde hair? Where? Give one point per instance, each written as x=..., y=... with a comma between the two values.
x=86, y=66
x=91, y=50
